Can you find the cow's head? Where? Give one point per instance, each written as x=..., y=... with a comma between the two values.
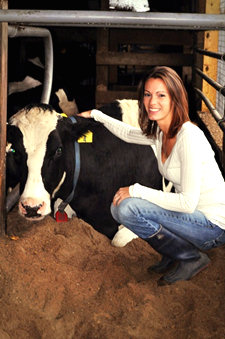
x=42, y=144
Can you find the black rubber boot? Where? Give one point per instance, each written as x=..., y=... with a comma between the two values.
x=191, y=261
x=185, y=270
x=162, y=266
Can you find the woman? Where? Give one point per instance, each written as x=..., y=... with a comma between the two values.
x=176, y=224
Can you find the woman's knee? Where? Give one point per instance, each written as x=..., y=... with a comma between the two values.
x=122, y=211
x=114, y=212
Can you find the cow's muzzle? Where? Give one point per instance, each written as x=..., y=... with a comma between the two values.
x=32, y=209
x=32, y=212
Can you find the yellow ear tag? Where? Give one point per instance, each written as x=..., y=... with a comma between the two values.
x=86, y=138
x=64, y=115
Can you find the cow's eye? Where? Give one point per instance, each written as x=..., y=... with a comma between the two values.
x=58, y=152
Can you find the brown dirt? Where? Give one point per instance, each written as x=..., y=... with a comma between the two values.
x=65, y=280
x=213, y=128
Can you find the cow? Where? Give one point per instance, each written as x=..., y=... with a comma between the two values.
x=126, y=110
x=27, y=88
x=44, y=144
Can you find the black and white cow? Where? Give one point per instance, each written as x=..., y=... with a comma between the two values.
x=43, y=150
x=27, y=88
x=124, y=109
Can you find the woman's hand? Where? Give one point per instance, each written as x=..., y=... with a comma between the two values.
x=85, y=114
x=120, y=195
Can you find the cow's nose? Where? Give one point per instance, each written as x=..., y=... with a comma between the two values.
x=31, y=212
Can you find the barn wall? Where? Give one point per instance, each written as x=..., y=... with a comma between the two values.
x=124, y=56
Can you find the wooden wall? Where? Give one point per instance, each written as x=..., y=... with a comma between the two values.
x=142, y=49
x=3, y=105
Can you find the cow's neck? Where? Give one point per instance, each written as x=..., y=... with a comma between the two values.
x=72, y=169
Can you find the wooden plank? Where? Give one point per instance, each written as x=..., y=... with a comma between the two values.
x=210, y=64
x=151, y=36
x=3, y=114
x=198, y=61
x=199, y=43
x=103, y=97
x=210, y=67
x=144, y=59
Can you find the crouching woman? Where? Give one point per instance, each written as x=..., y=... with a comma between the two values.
x=184, y=224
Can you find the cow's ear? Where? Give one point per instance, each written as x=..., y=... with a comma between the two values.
x=82, y=126
x=74, y=131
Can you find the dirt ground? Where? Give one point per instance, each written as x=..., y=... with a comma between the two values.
x=65, y=280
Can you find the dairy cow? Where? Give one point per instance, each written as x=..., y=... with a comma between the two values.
x=124, y=109
x=44, y=143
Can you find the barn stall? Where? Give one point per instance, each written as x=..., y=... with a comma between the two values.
x=120, y=47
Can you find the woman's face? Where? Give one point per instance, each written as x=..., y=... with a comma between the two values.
x=157, y=101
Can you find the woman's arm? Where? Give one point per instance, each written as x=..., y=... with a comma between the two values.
x=123, y=131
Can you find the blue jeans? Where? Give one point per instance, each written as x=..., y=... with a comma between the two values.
x=144, y=219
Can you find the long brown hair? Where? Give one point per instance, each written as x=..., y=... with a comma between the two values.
x=178, y=97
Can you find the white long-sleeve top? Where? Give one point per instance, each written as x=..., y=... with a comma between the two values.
x=191, y=167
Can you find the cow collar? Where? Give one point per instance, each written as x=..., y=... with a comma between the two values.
x=65, y=202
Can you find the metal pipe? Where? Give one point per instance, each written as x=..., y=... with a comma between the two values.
x=190, y=21
x=24, y=31
x=216, y=115
x=212, y=82
x=220, y=56
x=48, y=76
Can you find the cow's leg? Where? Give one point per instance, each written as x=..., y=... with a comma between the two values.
x=123, y=237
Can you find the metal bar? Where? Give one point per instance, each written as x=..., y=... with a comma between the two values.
x=23, y=31
x=216, y=115
x=212, y=82
x=190, y=21
x=220, y=56
x=47, y=85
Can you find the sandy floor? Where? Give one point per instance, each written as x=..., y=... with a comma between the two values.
x=65, y=280
x=214, y=129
